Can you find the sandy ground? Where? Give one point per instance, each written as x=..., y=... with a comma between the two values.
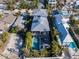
x=8, y=54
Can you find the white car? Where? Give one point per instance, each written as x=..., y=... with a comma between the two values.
x=1, y=31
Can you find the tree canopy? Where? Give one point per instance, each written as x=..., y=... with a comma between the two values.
x=15, y=29
x=28, y=40
x=23, y=4
x=36, y=2
x=5, y=36
x=56, y=48
x=11, y=4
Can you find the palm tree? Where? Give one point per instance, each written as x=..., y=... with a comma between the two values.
x=1, y=43
x=23, y=4
x=59, y=5
x=1, y=15
x=36, y=2
x=28, y=40
x=54, y=33
x=45, y=3
x=10, y=4
x=44, y=53
x=17, y=14
x=5, y=36
x=56, y=48
x=73, y=20
x=34, y=53
x=49, y=8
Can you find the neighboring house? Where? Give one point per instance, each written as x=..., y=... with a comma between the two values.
x=19, y=22
x=40, y=29
x=65, y=38
x=52, y=2
x=67, y=1
x=65, y=11
x=3, y=6
x=65, y=8
x=64, y=35
x=6, y=21
x=76, y=4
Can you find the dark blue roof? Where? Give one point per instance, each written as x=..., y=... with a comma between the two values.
x=58, y=18
x=60, y=27
x=55, y=12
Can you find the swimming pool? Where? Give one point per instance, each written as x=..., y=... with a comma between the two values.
x=64, y=13
x=72, y=45
x=35, y=43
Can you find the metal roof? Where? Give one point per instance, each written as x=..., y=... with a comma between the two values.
x=40, y=24
x=60, y=28
x=40, y=12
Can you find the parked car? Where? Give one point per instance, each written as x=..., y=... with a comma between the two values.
x=1, y=31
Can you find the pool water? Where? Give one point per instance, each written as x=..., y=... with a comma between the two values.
x=35, y=43
x=72, y=45
x=64, y=13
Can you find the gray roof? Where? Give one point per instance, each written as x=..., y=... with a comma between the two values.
x=7, y=21
x=3, y=6
x=40, y=12
x=9, y=18
x=40, y=24
x=19, y=22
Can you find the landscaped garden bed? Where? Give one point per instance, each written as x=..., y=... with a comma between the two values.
x=76, y=31
x=73, y=34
